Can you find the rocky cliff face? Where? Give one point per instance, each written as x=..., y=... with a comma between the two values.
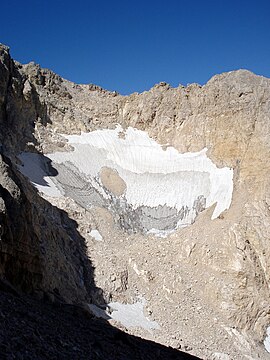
x=206, y=284
x=41, y=249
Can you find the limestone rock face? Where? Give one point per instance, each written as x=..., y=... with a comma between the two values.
x=207, y=284
x=41, y=250
x=20, y=261
x=18, y=100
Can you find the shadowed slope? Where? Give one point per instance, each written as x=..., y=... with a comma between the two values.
x=36, y=330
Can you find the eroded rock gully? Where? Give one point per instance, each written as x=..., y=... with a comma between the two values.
x=189, y=164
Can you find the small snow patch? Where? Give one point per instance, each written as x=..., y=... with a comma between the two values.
x=129, y=315
x=220, y=356
x=267, y=340
x=96, y=235
x=160, y=233
x=32, y=167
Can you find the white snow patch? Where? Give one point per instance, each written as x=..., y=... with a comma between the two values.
x=160, y=233
x=267, y=340
x=220, y=356
x=153, y=176
x=96, y=235
x=31, y=167
x=129, y=315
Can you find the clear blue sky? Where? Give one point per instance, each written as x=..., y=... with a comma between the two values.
x=129, y=46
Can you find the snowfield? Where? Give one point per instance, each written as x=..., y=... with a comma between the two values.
x=160, y=190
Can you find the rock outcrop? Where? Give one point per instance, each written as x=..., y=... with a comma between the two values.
x=41, y=250
x=219, y=269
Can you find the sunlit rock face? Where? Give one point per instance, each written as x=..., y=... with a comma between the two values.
x=146, y=187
